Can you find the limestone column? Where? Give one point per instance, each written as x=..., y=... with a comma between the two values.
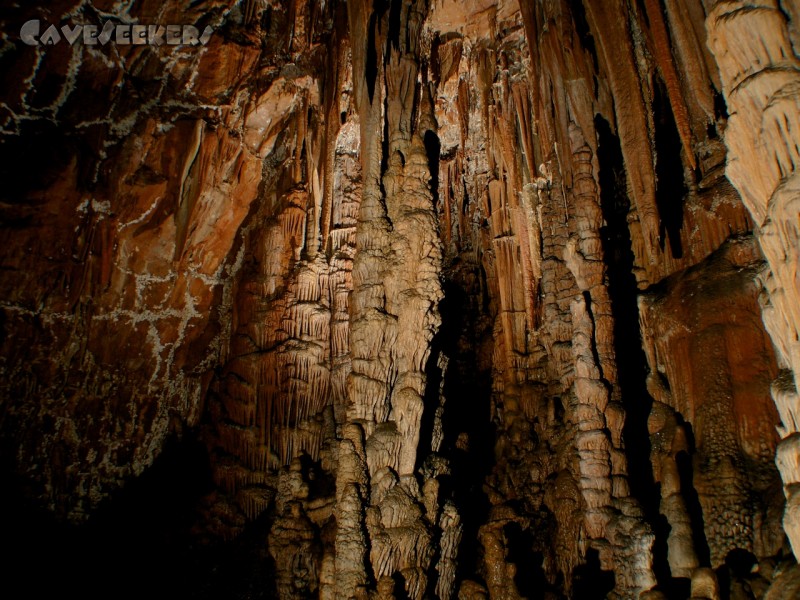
x=760, y=74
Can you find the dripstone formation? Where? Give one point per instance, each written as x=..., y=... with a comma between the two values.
x=455, y=299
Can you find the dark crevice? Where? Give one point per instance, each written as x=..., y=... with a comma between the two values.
x=740, y=569
x=590, y=581
x=661, y=528
x=587, y=299
x=433, y=382
x=435, y=63
x=436, y=543
x=369, y=571
x=412, y=125
x=720, y=106
x=583, y=30
x=399, y=590
x=433, y=148
x=141, y=536
x=631, y=361
x=678, y=588
x=692, y=500
x=530, y=577
x=393, y=35
x=468, y=436
x=558, y=409
x=670, y=185
x=642, y=13
x=371, y=63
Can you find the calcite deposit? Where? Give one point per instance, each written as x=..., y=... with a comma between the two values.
x=441, y=298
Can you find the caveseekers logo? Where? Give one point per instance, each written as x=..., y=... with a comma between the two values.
x=35, y=33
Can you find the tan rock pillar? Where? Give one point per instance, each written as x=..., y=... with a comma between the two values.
x=760, y=74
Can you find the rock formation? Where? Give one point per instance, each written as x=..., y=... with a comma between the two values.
x=486, y=298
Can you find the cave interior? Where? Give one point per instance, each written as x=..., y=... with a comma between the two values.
x=400, y=299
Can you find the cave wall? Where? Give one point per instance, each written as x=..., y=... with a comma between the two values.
x=759, y=76
x=465, y=298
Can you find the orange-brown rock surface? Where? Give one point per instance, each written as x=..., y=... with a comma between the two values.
x=488, y=298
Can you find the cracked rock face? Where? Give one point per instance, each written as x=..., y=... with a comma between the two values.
x=485, y=299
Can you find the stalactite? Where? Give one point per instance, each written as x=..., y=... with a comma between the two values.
x=630, y=113
x=669, y=73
